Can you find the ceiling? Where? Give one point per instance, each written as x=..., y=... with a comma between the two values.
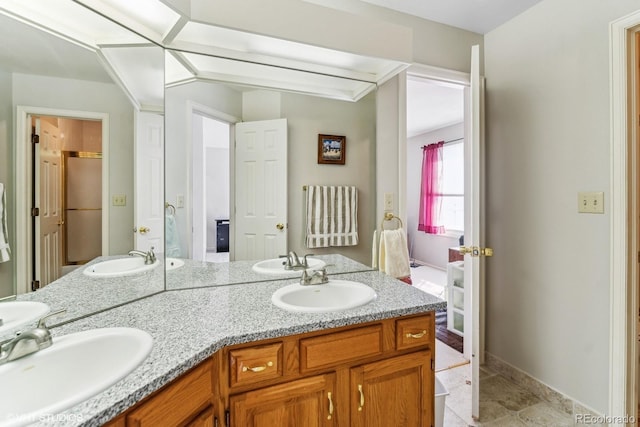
x=478, y=16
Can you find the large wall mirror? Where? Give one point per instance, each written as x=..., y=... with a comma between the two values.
x=92, y=91
x=119, y=101
x=207, y=100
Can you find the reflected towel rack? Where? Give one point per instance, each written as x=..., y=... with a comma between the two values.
x=389, y=217
x=172, y=209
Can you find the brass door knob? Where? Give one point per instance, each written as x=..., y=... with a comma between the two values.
x=144, y=230
x=280, y=226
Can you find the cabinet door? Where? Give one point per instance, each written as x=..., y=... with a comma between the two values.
x=393, y=392
x=204, y=419
x=307, y=402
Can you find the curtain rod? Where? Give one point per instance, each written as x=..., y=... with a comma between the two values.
x=447, y=142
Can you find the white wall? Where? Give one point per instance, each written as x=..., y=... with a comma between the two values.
x=426, y=248
x=216, y=142
x=177, y=150
x=6, y=177
x=547, y=139
x=82, y=95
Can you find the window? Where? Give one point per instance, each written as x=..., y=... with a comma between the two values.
x=452, y=209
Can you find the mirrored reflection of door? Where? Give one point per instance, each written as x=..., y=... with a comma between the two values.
x=149, y=182
x=48, y=220
x=261, y=189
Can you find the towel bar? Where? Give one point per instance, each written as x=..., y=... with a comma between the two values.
x=389, y=217
x=172, y=209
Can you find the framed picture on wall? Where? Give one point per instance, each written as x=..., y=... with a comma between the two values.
x=331, y=149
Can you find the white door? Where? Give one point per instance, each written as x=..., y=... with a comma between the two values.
x=260, y=190
x=48, y=180
x=149, y=182
x=473, y=227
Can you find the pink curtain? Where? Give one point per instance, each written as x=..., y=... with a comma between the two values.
x=430, y=198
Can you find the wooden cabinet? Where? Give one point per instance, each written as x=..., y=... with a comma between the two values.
x=307, y=401
x=374, y=374
x=186, y=401
x=393, y=392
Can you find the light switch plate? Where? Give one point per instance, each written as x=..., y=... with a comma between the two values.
x=119, y=200
x=388, y=201
x=591, y=202
x=180, y=201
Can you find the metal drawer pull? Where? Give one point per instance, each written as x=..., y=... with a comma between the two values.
x=418, y=335
x=330, y=406
x=257, y=368
x=361, y=397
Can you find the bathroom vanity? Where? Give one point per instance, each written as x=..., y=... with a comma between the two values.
x=227, y=356
x=373, y=374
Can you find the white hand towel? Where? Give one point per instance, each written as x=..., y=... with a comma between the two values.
x=5, y=251
x=374, y=250
x=394, y=253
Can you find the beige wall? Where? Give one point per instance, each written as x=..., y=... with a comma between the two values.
x=306, y=118
x=547, y=139
x=82, y=95
x=6, y=176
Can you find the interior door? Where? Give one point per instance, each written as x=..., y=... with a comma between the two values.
x=48, y=222
x=473, y=227
x=260, y=189
x=149, y=182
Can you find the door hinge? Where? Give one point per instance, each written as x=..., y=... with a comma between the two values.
x=35, y=211
x=433, y=364
x=35, y=285
x=35, y=138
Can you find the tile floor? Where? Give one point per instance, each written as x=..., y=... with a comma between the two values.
x=503, y=403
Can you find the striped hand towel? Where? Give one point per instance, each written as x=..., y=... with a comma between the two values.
x=5, y=251
x=332, y=216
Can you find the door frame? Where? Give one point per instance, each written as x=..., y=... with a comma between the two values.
x=23, y=184
x=203, y=110
x=625, y=172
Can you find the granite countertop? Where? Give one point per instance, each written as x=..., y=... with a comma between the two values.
x=190, y=325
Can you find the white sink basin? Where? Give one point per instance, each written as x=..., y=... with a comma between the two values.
x=335, y=295
x=119, y=267
x=173, y=263
x=17, y=313
x=276, y=266
x=75, y=368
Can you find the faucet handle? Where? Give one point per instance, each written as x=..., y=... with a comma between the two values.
x=304, y=262
x=41, y=322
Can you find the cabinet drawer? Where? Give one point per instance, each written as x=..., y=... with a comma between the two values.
x=178, y=402
x=414, y=332
x=333, y=349
x=253, y=364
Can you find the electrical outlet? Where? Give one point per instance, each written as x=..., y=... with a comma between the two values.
x=591, y=202
x=119, y=200
x=180, y=201
x=388, y=201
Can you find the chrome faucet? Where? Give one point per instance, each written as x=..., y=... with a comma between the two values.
x=149, y=257
x=28, y=342
x=317, y=277
x=293, y=261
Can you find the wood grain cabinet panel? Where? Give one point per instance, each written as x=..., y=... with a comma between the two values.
x=177, y=403
x=414, y=332
x=254, y=364
x=340, y=347
x=305, y=402
x=393, y=392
